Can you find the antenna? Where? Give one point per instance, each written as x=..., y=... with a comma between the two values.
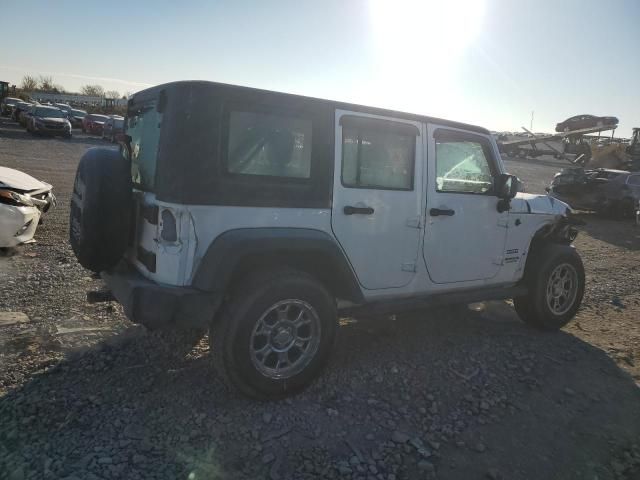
x=531, y=125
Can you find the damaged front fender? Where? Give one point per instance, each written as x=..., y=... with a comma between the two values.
x=560, y=222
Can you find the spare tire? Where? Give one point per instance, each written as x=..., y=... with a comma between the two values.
x=100, y=209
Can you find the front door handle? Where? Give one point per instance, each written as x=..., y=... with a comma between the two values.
x=349, y=210
x=437, y=212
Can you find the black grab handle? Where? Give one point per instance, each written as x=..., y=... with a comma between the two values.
x=349, y=210
x=436, y=212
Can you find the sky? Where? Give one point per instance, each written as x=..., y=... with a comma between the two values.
x=487, y=62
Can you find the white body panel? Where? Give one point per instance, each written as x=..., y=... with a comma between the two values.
x=399, y=251
x=468, y=245
x=17, y=180
x=382, y=247
x=12, y=219
x=200, y=225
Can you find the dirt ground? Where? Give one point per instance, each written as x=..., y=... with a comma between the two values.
x=461, y=393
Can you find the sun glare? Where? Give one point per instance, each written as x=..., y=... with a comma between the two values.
x=418, y=42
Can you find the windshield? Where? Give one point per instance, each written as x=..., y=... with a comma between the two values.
x=98, y=118
x=143, y=126
x=78, y=113
x=49, y=113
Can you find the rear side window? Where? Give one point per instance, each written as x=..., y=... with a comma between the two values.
x=378, y=156
x=267, y=144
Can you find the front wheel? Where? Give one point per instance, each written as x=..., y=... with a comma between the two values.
x=555, y=279
x=275, y=334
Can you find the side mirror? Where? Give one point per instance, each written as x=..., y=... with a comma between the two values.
x=506, y=186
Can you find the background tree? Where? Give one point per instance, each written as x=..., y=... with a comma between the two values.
x=45, y=83
x=112, y=94
x=29, y=83
x=92, y=90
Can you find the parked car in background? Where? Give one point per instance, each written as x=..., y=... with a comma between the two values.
x=609, y=192
x=585, y=121
x=19, y=107
x=76, y=117
x=93, y=123
x=23, y=200
x=113, y=126
x=49, y=120
x=63, y=106
x=7, y=103
x=24, y=115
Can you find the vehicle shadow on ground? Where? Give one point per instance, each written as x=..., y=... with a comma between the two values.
x=135, y=405
x=623, y=233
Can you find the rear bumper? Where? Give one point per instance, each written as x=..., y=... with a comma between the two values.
x=158, y=306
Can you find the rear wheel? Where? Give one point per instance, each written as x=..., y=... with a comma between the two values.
x=275, y=334
x=555, y=279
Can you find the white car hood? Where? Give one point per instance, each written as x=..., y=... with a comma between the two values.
x=15, y=179
x=538, y=204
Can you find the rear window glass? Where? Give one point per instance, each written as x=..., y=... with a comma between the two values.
x=143, y=127
x=269, y=145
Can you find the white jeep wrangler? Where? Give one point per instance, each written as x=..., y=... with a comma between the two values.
x=265, y=216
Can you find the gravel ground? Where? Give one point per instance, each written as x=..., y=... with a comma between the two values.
x=462, y=393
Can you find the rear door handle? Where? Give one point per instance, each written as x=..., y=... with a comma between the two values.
x=349, y=210
x=437, y=212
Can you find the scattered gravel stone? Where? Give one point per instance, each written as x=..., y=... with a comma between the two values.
x=399, y=437
x=425, y=465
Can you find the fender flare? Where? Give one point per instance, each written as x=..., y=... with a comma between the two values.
x=218, y=265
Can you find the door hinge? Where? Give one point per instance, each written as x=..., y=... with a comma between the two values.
x=503, y=222
x=414, y=222
x=408, y=267
x=497, y=260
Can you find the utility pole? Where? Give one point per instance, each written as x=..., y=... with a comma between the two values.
x=531, y=125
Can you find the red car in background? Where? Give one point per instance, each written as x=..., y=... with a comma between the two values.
x=93, y=123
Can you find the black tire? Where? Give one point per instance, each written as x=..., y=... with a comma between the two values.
x=534, y=309
x=100, y=209
x=231, y=333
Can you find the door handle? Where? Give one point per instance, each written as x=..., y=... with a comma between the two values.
x=437, y=212
x=349, y=210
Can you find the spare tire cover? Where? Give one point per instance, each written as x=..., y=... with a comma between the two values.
x=101, y=203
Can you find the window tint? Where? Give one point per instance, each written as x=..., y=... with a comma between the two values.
x=634, y=180
x=372, y=158
x=269, y=144
x=462, y=167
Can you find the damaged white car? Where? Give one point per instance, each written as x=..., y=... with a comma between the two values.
x=23, y=200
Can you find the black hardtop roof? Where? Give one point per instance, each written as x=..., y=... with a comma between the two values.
x=153, y=92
